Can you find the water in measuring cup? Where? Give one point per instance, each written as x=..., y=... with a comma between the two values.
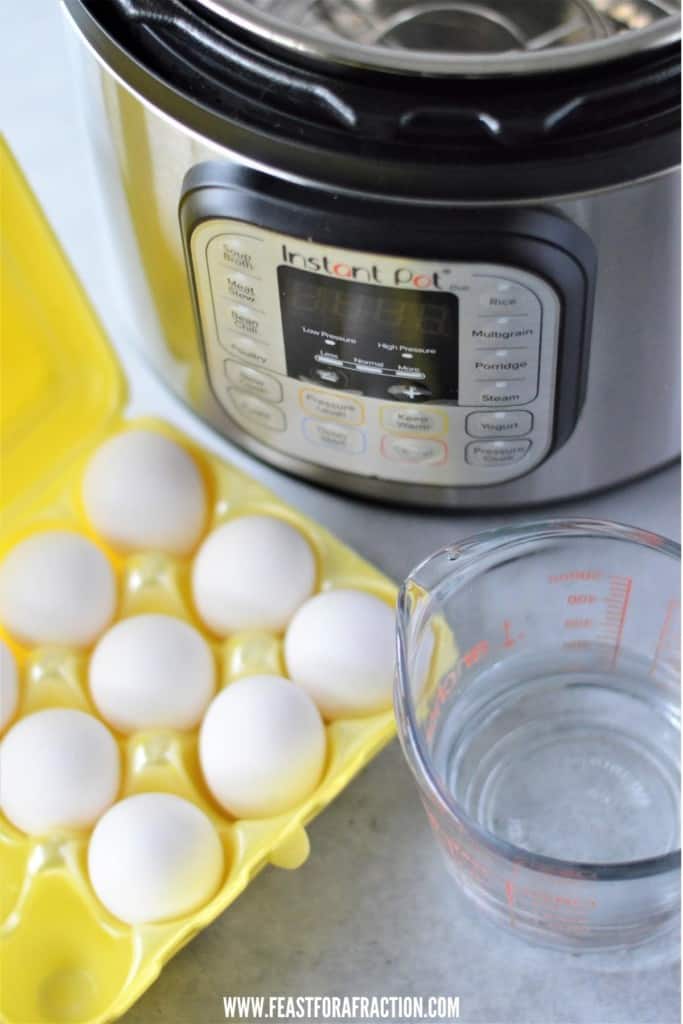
x=581, y=766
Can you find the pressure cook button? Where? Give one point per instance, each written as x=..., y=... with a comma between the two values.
x=325, y=405
x=334, y=436
x=409, y=392
x=506, y=392
x=256, y=411
x=414, y=450
x=407, y=420
x=249, y=379
x=505, y=298
x=494, y=454
x=499, y=424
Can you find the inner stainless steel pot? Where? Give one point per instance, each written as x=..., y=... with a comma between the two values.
x=456, y=37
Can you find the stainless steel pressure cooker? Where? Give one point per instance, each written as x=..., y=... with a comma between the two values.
x=423, y=251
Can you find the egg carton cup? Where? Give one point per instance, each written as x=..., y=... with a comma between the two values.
x=64, y=957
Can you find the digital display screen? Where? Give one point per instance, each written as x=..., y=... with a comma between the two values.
x=393, y=343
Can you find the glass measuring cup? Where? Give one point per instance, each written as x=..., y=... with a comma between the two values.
x=537, y=696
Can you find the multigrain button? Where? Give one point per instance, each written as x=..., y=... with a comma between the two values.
x=499, y=424
x=249, y=379
x=500, y=298
x=502, y=331
x=257, y=411
x=334, y=436
x=402, y=420
x=495, y=454
x=325, y=405
x=414, y=450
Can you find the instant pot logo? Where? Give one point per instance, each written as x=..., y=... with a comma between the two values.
x=397, y=277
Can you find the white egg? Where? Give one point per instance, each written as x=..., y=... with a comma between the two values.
x=252, y=573
x=9, y=686
x=340, y=648
x=59, y=768
x=261, y=747
x=154, y=856
x=152, y=671
x=56, y=587
x=143, y=490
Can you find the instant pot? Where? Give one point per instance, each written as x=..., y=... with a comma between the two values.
x=418, y=250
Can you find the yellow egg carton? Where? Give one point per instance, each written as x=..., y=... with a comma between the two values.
x=63, y=957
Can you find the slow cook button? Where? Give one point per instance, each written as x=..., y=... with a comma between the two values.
x=505, y=298
x=255, y=410
x=334, y=436
x=325, y=405
x=413, y=421
x=249, y=379
x=494, y=454
x=414, y=450
x=499, y=424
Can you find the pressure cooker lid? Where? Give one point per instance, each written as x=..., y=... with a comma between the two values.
x=456, y=37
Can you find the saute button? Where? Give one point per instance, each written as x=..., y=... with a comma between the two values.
x=503, y=298
x=414, y=450
x=496, y=453
x=407, y=420
x=249, y=379
x=499, y=424
x=252, y=408
x=325, y=405
x=334, y=435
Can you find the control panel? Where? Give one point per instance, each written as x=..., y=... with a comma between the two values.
x=403, y=369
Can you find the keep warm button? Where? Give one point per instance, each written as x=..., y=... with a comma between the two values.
x=495, y=454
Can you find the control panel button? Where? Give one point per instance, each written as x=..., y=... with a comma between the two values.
x=499, y=424
x=333, y=378
x=241, y=319
x=499, y=392
x=246, y=350
x=498, y=332
x=239, y=287
x=256, y=410
x=500, y=297
x=335, y=436
x=407, y=420
x=236, y=252
x=410, y=392
x=495, y=454
x=501, y=364
x=325, y=405
x=414, y=450
x=248, y=378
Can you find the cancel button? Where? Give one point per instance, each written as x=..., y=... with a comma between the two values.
x=496, y=454
x=499, y=424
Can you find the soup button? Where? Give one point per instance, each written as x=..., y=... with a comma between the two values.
x=414, y=451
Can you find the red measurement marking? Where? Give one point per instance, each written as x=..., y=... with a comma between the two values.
x=510, y=893
x=578, y=623
x=476, y=653
x=577, y=576
x=583, y=599
x=669, y=636
x=616, y=610
x=510, y=640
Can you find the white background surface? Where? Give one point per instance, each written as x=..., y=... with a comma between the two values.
x=372, y=912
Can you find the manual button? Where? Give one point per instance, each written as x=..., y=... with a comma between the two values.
x=494, y=454
x=499, y=424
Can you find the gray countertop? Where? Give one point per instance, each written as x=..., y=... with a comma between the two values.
x=372, y=911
